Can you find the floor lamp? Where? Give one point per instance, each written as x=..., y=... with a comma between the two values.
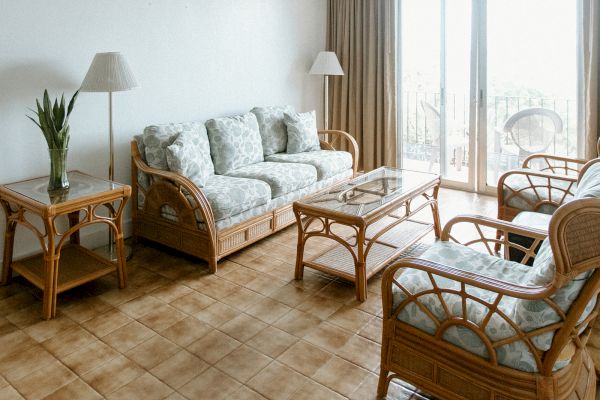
x=326, y=64
x=109, y=72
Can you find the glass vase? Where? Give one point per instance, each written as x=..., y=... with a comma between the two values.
x=58, y=170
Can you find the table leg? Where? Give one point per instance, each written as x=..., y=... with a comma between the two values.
x=435, y=210
x=361, y=266
x=50, y=272
x=299, y=272
x=74, y=220
x=9, y=241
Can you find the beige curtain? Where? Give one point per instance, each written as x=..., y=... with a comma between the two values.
x=363, y=101
x=591, y=60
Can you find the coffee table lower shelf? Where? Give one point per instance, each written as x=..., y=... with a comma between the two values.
x=338, y=261
x=77, y=265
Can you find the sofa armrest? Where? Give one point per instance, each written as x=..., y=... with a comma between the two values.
x=335, y=137
x=555, y=164
x=181, y=188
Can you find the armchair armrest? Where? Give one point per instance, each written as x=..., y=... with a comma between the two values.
x=337, y=137
x=181, y=185
x=555, y=164
x=498, y=235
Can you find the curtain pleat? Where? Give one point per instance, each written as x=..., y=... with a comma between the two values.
x=363, y=100
x=591, y=62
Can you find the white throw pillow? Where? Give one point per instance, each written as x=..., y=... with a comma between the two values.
x=189, y=155
x=302, y=132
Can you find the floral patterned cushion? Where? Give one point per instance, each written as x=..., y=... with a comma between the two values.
x=158, y=137
x=234, y=142
x=532, y=219
x=189, y=155
x=283, y=178
x=589, y=185
x=272, y=128
x=520, y=183
x=230, y=196
x=528, y=315
x=327, y=162
x=302, y=132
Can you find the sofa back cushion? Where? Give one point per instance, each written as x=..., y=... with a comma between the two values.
x=589, y=184
x=189, y=155
x=234, y=142
x=302, y=132
x=272, y=128
x=158, y=137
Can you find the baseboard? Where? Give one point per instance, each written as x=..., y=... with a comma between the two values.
x=92, y=237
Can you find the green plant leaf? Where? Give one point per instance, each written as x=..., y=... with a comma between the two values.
x=72, y=103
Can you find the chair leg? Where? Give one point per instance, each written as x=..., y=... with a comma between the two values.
x=212, y=265
x=384, y=383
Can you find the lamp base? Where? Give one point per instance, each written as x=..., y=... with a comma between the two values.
x=110, y=252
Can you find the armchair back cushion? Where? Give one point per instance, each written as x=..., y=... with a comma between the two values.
x=272, y=128
x=189, y=155
x=302, y=132
x=234, y=142
x=589, y=184
x=158, y=137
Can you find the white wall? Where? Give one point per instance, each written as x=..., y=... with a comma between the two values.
x=194, y=59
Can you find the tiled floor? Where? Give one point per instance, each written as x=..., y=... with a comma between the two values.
x=248, y=332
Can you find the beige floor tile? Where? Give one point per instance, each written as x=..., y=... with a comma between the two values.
x=68, y=341
x=113, y=374
x=152, y=352
x=245, y=393
x=84, y=309
x=320, y=306
x=211, y=384
x=368, y=391
x=10, y=393
x=90, y=357
x=372, y=305
x=312, y=282
x=44, y=330
x=290, y=295
x=328, y=337
x=242, y=299
x=26, y=316
x=272, y=341
x=341, y=376
x=362, y=352
x=17, y=302
x=186, y=331
x=277, y=381
x=192, y=303
x=179, y=369
x=44, y=381
x=140, y=306
x=6, y=326
x=243, y=327
x=103, y=324
x=175, y=396
x=77, y=389
x=350, y=319
x=214, y=346
x=243, y=363
x=144, y=387
x=117, y=296
x=268, y=310
x=217, y=314
x=227, y=266
x=162, y=317
x=14, y=342
x=304, y=358
x=298, y=323
x=240, y=276
x=20, y=364
x=339, y=291
x=373, y=330
x=128, y=336
x=219, y=288
x=315, y=391
x=264, y=284
x=171, y=292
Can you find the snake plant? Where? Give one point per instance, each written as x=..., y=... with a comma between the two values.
x=53, y=120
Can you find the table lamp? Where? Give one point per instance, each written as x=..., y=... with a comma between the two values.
x=326, y=64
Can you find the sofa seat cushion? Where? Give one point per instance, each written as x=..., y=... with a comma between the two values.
x=327, y=162
x=527, y=315
x=230, y=195
x=528, y=197
x=234, y=142
x=283, y=178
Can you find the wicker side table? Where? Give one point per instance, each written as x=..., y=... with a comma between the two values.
x=63, y=263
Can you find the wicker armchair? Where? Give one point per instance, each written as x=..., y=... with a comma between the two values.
x=461, y=324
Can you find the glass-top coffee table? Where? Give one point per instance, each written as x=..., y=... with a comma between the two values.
x=368, y=221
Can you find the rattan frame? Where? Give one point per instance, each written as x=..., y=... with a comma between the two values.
x=187, y=200
x=449, y=372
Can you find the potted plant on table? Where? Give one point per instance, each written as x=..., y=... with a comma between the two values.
x=53, y=120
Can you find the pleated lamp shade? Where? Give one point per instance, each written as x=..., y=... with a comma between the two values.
x=326, y=63
x=109, y=72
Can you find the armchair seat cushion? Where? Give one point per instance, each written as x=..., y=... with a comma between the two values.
x=327, y=162
x=524, y=314
x=528, y=197
x=282, y=178
x=230, y=195
x=531, y=219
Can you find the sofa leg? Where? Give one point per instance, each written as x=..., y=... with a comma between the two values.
x=212, y=265
x=382, y=386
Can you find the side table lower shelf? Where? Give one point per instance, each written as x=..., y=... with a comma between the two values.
x=77, y=265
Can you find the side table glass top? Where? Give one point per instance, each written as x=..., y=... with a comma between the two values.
x=80, y=185
x=370, y=191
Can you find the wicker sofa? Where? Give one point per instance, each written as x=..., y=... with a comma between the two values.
x=210, y=189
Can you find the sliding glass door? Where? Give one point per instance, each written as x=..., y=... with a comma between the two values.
x=483, y=84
